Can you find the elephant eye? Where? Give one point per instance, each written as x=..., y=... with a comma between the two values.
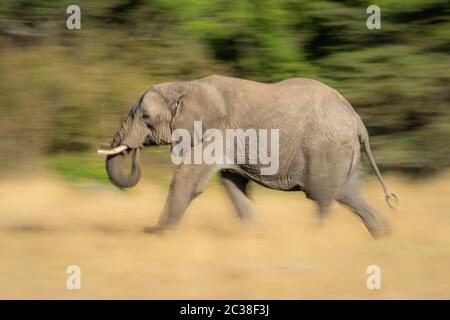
x=145, y=115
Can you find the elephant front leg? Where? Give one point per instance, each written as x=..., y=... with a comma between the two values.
x=188, y=181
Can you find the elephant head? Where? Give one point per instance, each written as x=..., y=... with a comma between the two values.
x=162, y=109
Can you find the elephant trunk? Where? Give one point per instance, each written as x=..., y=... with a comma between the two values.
x=115, y=169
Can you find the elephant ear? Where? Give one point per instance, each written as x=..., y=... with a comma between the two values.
x=197, y=102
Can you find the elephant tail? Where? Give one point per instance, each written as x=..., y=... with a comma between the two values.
x=391, y=198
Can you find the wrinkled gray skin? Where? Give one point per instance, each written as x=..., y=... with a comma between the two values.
x=321, y=138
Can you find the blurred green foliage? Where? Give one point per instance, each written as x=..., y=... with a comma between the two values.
x=78, y=167
x=67, y=91
x=81, y=167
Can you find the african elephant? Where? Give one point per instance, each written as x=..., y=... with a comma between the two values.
x=320, y=142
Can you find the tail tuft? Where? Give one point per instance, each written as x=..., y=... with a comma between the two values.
x=391, y=198
x=392, y=201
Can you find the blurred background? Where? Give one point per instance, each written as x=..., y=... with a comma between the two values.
x=64, y=92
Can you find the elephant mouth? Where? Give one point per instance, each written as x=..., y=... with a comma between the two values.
x=148, y=142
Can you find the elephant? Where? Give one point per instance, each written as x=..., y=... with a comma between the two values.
x=320, y=142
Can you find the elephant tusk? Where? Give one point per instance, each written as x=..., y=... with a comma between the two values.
x=115, y=150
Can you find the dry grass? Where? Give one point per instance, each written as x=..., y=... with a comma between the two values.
x=47, y=224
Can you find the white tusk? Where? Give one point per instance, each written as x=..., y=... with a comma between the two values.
x=115, y=150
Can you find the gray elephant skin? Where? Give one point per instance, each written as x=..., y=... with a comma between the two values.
x=320, y=142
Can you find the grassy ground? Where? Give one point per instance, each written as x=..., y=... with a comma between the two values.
x=48, y=223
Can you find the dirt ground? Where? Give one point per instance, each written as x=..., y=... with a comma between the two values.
x=47, y=224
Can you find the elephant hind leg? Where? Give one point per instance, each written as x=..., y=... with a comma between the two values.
x=325, y=177
x=323, y=197
x=350, y=197
x=324, y=208
x=236, y=187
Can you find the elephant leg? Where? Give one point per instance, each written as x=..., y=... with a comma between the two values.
x=187, y=183
x=324, y=208
x=323, y=192
x=350, y=197
x=236, y=187
x=328, y=173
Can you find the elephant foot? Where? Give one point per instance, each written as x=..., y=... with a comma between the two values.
x=379, y=230
x=154, y=230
